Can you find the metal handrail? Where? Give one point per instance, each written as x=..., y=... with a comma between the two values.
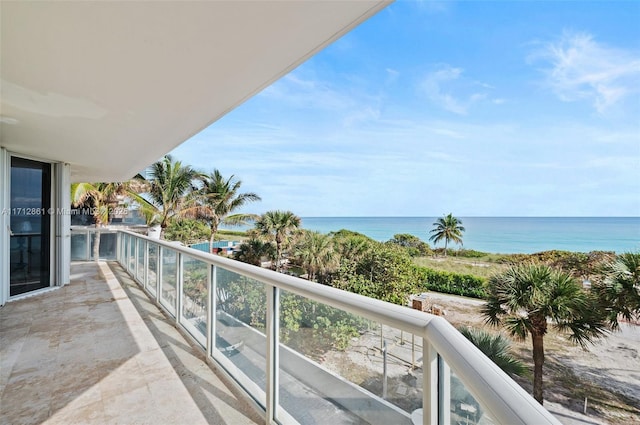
x=505, y=401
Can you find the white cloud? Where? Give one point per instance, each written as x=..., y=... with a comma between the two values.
x=438, y=85
x=392, y=76
x=307, y=93
x=584, y=69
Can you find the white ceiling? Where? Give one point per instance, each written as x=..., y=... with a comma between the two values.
x=110, y=87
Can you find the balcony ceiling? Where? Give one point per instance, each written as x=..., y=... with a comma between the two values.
x=110, y=87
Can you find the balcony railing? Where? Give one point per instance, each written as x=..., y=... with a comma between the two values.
x=297, y=348
x=82, y=242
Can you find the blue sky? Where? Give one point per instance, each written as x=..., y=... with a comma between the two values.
x=504, y=108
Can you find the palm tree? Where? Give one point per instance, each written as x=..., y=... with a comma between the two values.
x=102, y=198
x=527, y=297
x=218, y=199
x=497, y=347
x=352, y=248
x=278, y=226
x=448, y=228
x=316, y=253
x=171, y=183
x=187, y=231
x=619, y=291
x=253, y=250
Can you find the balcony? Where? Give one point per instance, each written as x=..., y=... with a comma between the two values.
x=97, y=351
x=299, y=352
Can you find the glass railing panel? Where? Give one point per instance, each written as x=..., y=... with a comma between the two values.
x=195, y=280
x=152, y=271
x=141, y=247
x=168, y=279
x=131, y=250
x=240, y=344
x=332, y=367
x=463, y=408
x=79, y=248
x=124, y=247
x=121, y=246
x=108, y=244
x=127, y=246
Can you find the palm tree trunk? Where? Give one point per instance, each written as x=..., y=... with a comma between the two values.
x=538, y=361
x=211, y=240
x=96, y=238
x=96, y=245
x=446, y=241
x=277, y=256
x=214, y=230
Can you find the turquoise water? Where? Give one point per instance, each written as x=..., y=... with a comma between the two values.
x=503, y=234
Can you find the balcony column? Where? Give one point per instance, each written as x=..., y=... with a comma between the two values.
x=62, y=223
x=273, y=342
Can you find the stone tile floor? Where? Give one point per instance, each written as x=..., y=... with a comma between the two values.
x=98, y=351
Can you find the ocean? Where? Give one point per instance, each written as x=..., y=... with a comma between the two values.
x=503, y=234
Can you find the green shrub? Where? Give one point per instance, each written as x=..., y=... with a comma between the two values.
x=412, y=244
x=471, y=253
x=451, y=283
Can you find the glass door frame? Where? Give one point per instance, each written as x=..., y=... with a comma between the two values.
x=5, y=223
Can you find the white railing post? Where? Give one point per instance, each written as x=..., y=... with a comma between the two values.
x=87, y=252
x=145, y=270
x=444, y=391
x=179, y=285
x=130, y=241
x=118, y=248
x=273, y=331
x=123, y=238
x=136, y=241
x=159, y=273
x=211, y=311
x=429, y=383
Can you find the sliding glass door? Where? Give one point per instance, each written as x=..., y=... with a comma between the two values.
x=30, y=237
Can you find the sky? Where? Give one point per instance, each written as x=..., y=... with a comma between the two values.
x=504, y=108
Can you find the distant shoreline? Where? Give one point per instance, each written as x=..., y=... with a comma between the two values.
x=502, y=235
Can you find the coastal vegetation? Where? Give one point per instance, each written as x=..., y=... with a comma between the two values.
x=414, y=246
x=526, y=295
x=217, y=201
x=497, y=347
x=278, y=227
x=102, y=199
x=527, y=298
x=170, y=190
x=448, y=228
x=186, y=230
x=619, y=290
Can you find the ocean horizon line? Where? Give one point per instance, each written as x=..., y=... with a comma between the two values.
x=505, y=235
x=471, y=216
